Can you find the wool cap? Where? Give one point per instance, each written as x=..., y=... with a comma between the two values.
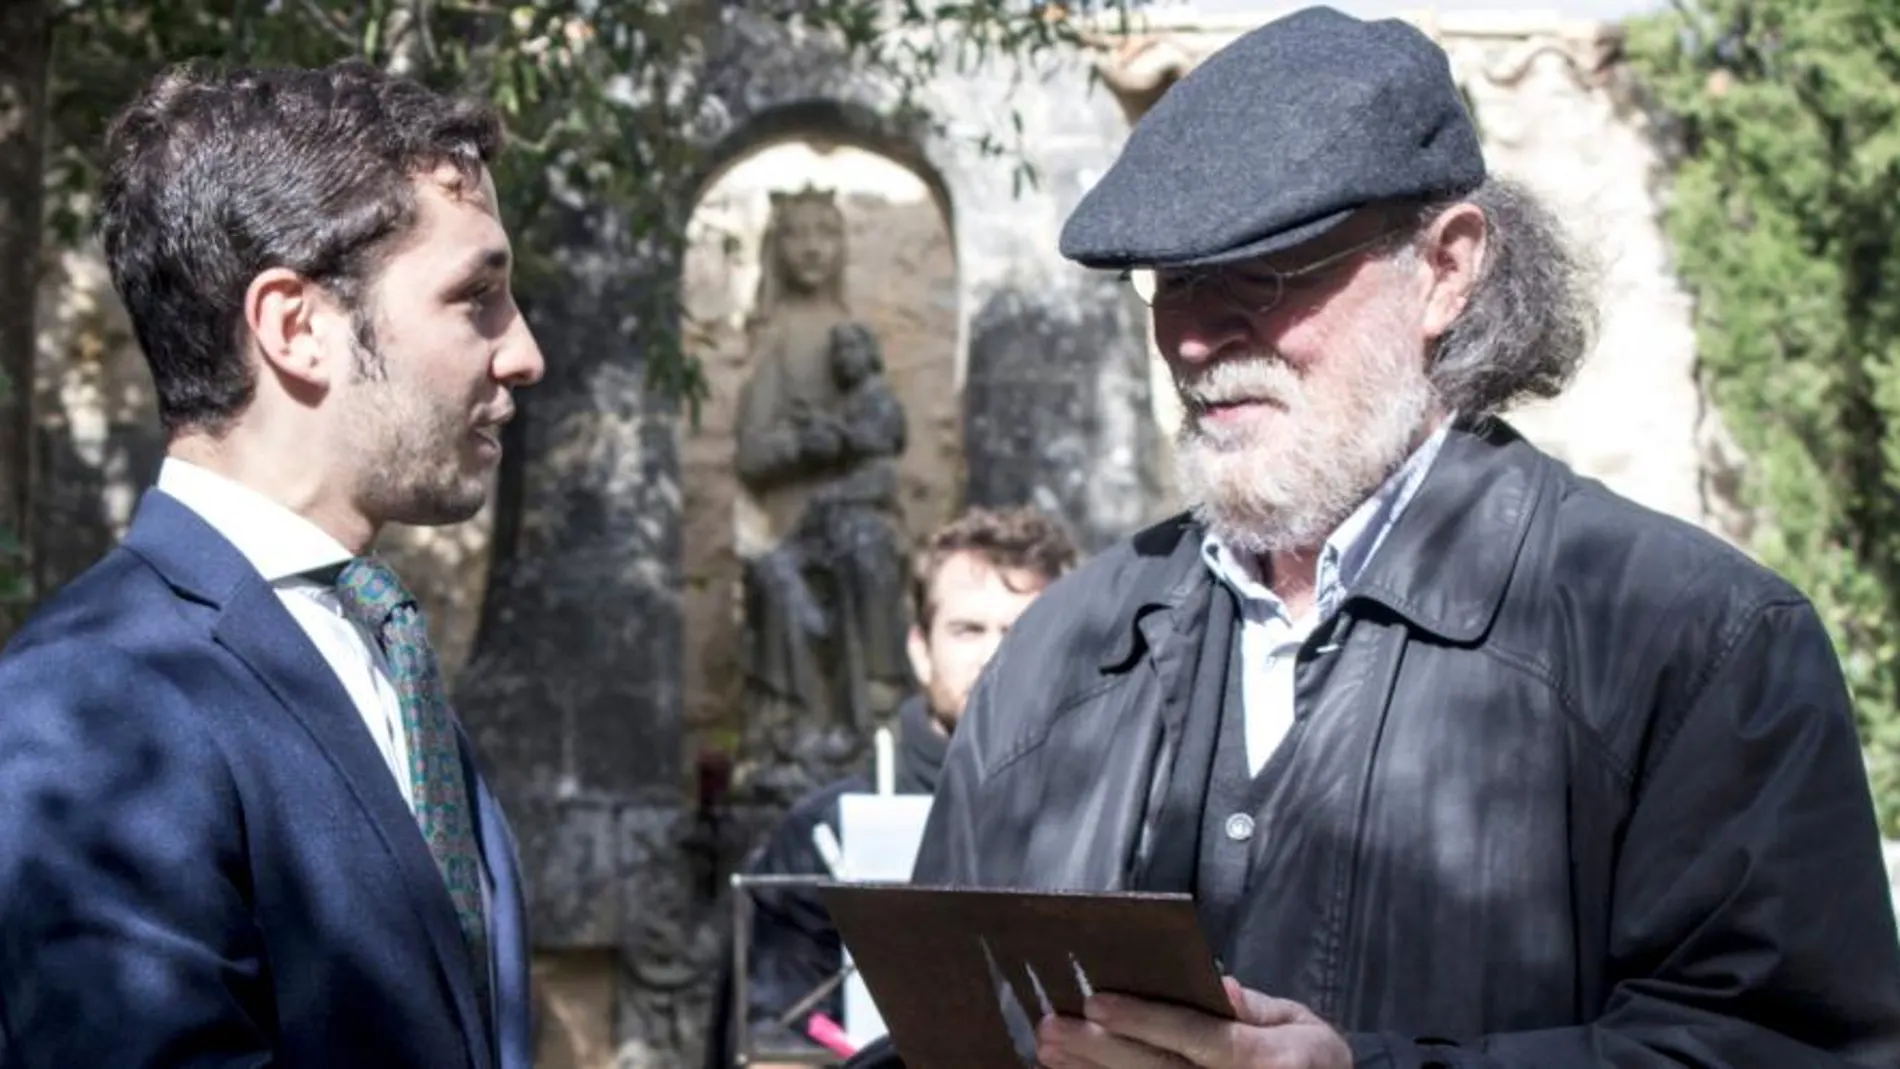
x=1276, y=139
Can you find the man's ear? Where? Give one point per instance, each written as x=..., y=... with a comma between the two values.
x=1453, y=250
x=289, y=317
x=919, y=651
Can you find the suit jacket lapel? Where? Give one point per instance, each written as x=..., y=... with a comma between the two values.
x=254, y=625
x=507, y=921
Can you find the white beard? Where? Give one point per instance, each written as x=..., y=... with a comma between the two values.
x=1274, y=492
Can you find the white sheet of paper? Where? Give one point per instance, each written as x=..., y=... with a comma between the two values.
x=881, y=833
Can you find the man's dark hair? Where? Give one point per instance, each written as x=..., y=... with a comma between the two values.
x=215, y=176
x=1010, y=540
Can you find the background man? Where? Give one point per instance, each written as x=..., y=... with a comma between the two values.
x=970, y=581
x=1466, y=760
x=242, y=826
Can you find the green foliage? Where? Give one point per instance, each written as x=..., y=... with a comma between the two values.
x=1785, y=217
x=603, y=97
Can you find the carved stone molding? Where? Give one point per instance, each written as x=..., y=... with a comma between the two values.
x=1141, y=63
x=1591, y=55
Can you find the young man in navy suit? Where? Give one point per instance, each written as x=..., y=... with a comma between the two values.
x=241, y=824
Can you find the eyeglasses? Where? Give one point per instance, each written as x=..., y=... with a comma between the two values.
x=1251, y=290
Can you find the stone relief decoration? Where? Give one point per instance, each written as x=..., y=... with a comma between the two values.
x=818, y=436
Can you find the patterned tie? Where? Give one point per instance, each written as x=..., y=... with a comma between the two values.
x=373, y=596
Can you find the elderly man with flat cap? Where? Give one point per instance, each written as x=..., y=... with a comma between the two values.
x=1466, y=760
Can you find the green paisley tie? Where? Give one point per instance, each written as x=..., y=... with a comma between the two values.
x=373, y=596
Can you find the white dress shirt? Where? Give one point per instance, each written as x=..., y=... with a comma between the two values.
x=283, y=546
x=1269, y=636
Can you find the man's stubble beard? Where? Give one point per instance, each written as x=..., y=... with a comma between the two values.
x=1288, y=488
x=413, y=454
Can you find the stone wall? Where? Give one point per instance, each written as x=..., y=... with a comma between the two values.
x=1063, y=401
x=580, y=712
x=1635, y=416
x=1057, y=390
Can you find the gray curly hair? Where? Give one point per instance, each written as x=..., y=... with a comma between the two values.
x=1532, y=316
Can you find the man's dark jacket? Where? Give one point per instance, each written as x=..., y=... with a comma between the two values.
x=794, y=946
x=1570, y=784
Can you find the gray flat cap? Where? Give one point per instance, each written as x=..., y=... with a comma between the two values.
x=1277, y=138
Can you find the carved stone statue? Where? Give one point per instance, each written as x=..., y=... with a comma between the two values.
x=819, y=433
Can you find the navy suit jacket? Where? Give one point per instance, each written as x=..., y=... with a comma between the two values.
x=204, y=860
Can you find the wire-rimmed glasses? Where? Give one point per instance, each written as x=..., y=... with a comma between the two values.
x=1250, y=288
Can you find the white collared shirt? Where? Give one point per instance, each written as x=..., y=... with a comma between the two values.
x=1269, y=636
x=283, y=546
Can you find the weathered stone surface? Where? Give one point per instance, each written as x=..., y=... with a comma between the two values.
x=781, y=87
x=1635, y=416
x=1041, y=325
x=573, y=690
x=1056, y=405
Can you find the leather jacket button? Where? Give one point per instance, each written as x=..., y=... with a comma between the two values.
x=1240, y=827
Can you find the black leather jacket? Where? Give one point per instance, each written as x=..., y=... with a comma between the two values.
x=1570, y=784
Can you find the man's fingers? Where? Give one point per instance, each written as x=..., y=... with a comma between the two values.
x=1196, y=1037
x=1068, y=1043
x=1236, y=996
x=1265, y=1011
